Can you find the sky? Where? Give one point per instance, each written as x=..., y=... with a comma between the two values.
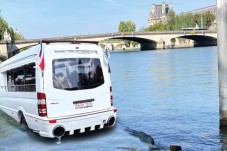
x=57, y=18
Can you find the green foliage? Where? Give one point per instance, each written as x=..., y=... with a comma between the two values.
x=177, y=22
x=11, y=32
x=171, y=20
x=208, y=18
x=127, y=43
x=18, y=36
x=157, y=27
x=185, y=20
x=5, y=27
x=197, y=19
x=134, y=44
x=127, y=26
x=189, y=20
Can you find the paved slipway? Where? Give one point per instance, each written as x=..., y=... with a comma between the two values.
x=14, y=137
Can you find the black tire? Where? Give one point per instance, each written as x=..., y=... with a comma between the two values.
x=23, y=124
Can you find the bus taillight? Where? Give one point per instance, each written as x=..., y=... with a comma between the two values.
x=42, y=109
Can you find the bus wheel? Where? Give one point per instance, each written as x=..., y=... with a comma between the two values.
x=23, y=124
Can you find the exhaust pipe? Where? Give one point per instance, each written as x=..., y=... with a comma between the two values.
x=58, y=132
x=111, y=121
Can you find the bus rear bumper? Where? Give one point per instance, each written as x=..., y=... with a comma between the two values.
x=78, y=124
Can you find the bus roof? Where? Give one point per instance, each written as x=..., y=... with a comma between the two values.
x=31, y=51
x=35, y=50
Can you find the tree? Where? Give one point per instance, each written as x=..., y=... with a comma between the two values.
x=18, y=36
x=157, y=27
x=127, y=26
x=11, y=32
x=171, y=20
x=5, y=27
x=208, y=19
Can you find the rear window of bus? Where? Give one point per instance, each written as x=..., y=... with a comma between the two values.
x=77, y=73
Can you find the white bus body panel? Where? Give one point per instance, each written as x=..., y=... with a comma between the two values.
x=60, y=103
x=13, y=102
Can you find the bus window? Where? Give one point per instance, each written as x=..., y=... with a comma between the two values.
x=30, y=78
x=22, y=79
x=77, y=73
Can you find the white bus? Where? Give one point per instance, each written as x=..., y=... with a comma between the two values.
x=58, y=87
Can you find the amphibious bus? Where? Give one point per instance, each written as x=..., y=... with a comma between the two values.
x=57, y=87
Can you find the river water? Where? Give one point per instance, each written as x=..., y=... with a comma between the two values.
x=170, y=95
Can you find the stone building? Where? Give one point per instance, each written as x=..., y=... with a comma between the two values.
x=159, y=13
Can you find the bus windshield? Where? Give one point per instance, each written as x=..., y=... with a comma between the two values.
x=77, y=73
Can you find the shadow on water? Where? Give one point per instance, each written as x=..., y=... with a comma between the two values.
x=145, y=138
x=142, y=136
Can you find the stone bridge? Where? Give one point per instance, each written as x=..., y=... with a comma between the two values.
x=147, y=40
x=151, y=40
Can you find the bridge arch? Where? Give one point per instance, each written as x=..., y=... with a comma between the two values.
x=201, y=40
x=145, y=44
